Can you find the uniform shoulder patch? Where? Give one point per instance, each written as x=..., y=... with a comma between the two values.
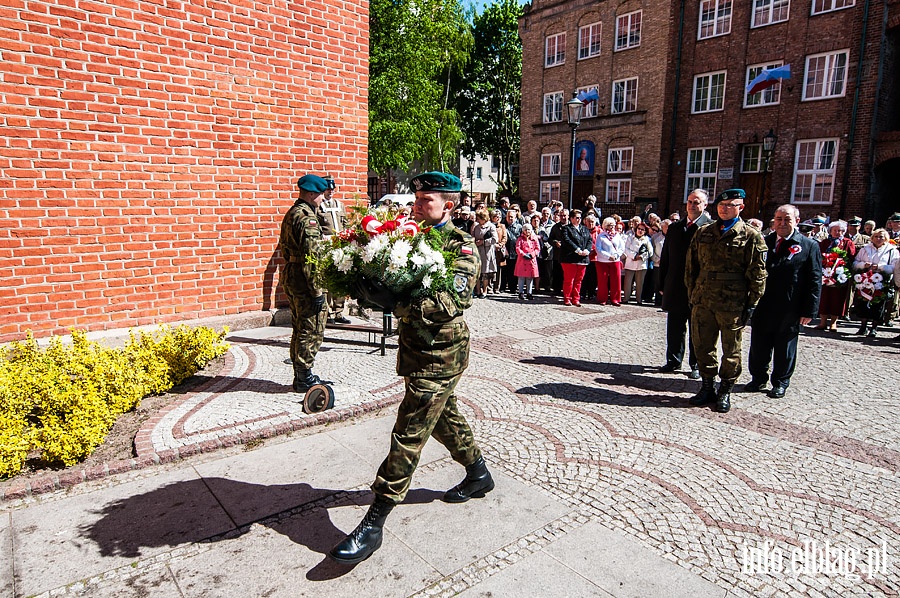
x=466, y=250
x=460, y=282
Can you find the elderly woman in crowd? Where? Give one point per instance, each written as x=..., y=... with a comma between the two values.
x=835, y=297
x=609, y=246
x=574, y=258
x=638, y=252
x=528, y=248
x=499, y=248
x=485, y=234
x=589, y=283
x=874, y=262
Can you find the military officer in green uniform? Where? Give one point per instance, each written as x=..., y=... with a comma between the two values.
x=333, y=218
x=725, y=275
x=433, y=353
x=301, y=233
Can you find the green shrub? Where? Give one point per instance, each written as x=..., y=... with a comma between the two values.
x=63, y=400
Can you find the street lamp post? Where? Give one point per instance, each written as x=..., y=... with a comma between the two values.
x=768, y=148
x=471, y=174
x=573, y=108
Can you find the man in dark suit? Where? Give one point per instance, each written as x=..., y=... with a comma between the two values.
x=671, y=277
x=791, y=300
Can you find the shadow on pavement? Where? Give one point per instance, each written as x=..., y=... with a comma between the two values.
x=601, y=396
x=173, y=515
x=204, y=382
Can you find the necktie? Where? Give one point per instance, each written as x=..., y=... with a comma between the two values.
x=778, y=244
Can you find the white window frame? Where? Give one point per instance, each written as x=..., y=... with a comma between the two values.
x=753, y=153
x=557, y=98
x=710, y=103
x=618, y=190
x=590, y=108
x=702, y=178
x=559, y=50
x=624, y=84
x=551, y=164
x=549, y=192
x=625, y=30
x=816, y=174
x=620, y=160
x=828, y=72
x=768, y=97
x=718, y=21
x=775, y=11
x=829, y=6
x=593, y=40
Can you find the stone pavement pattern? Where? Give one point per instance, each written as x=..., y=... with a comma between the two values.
x=609, y=484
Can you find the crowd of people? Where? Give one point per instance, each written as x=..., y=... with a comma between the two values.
x=580, y=256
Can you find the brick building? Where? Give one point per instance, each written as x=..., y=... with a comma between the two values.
x=836, y=149
x=149, y=151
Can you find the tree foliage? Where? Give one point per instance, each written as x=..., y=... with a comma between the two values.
x=414, y=47
x=489, y=101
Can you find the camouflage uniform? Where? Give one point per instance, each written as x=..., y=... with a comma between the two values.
x=433, y=353
x=724, y=274
x=333, y=218
x=301, y=233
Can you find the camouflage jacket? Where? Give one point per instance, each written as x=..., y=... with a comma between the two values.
x=301, y=233
x=433, y=336
x=726, y=272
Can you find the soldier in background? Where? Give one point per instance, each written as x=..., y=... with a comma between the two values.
x=725, y=276
x=301, y=234
x=334, y=219
x=859, y=239
x=432, y=356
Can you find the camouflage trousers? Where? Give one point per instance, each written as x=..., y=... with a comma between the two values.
x=335, y=305
x=308, y=328
x=706, y=328
x=428, y=409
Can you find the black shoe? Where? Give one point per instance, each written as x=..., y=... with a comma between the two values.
x=670, y=367
x=872, y=333
x=329, y=320
x=476, y=484
x=777, y=392
x=342, y=320
x=367, y=536
x=707, y=393
x=723, y=397
x=861, y=330
x=755, y=386
x=694, y=374
x=304, y=379
x=521, y=297
x=530, y=297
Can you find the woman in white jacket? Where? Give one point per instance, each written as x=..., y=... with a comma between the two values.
x=638, y=252
x=609, y=247
x=874, y=270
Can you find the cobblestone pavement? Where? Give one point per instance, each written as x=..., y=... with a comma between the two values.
x=569, y=401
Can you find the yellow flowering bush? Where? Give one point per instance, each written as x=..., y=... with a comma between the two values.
x=63, y=400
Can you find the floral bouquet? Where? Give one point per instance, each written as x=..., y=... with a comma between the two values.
x=871, y=286
x=387, y=248
x=834, y=268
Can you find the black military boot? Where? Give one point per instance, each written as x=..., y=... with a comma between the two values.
x=367, y=536
x=477, y=483
x=707, y=392
x=723, y=397
x=304, y=379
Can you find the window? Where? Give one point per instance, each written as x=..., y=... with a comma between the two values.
x=766, y=97
x=549, y=192
x=628, y=31
x=478, y=173
x=767, y=12
x=550, y=165
x=709, y=92
x=826, y=75
x=589, y=41
x=624, y=95
x=590, y=108
x=702, y=165
x=556, y=50
x=715, y=18
x=820, y=6
x=618, y=190
x=495, y=163
x=753, y=160
x=619, y=160
x=553, y=107
x=814, y=169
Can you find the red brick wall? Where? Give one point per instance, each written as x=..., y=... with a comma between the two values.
x=150, y=148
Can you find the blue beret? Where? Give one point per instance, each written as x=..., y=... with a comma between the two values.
x=311, y=182
x=732, y=194
x=436, y=181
